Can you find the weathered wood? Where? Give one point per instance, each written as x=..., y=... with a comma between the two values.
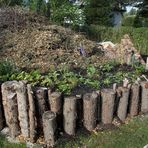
x=9, y=97
x=49, y=128
x=32, y=116
x=146, y=67
x=123, y=103
x=134, y=102
x=90, y=110
x=69, y=112
x=22, y=102
x=2, y=119
x=108, y=99
x=41, y=105
x=55, y=101
x=144, y=101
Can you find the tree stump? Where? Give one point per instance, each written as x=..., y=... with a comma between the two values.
x=144, y=101
x=9, y=97
x=32, y=116
x=49, y=128
x=41, y=105
x=70, y=114
x=108, y=99
x=123, y=103
x=90, y=110
x=55, y=101
x=22, y=102
x=135, y=89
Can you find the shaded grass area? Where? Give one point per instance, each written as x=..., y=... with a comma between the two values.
x=5, y=144
x=132, y=135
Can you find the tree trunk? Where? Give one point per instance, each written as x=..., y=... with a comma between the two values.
x=134, y=100
x=55, y=101
x=70, y=114
x=22, y=101
x=49, y=128
x=123, y=103
x=10, y=107
x=144, y=101
x=108, y=99
x=90, y=110
x=32, y=117
x=41, y=106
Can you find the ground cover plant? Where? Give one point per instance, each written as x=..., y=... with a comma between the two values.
x=69, y=81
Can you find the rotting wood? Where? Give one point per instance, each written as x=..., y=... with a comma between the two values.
x=90, y=110
x=32, y=116
x=144, y=100
x=123, y=103
x=134, y=102
x=108, y=99
x=49, y=128
x=70, y=115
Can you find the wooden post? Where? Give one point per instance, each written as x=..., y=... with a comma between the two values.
x=41, y=105
x=135, y=92
x=9, y=98
x=90, y=110
x=108, y=99
x=55, y=101
x=147, y=64
x=144, y=101
x=22, y=102
x=49, y=128
x=123, y=103
x=32, y=115
x=1, y=112
x=69, y=112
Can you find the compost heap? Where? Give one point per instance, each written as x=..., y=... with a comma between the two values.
x=32, y=42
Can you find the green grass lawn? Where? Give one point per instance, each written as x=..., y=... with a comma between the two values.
x=133, y=135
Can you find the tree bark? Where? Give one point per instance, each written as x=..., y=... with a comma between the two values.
x=144, y=101
x=9, y=97
x=70, y=114
x=123, y=103
x=134, y=100
x=32, y=116
x=22, y=101
x=90, y=110
x=49, y=128
x=108, y=99
x=41, y=105
x=55, y=101
x=2, y=119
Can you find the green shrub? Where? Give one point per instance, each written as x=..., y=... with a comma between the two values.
x=128, y=21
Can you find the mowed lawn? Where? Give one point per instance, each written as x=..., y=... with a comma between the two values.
x=131, y=135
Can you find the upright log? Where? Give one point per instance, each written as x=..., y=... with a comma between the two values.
x=9, y=97
x=144, y=101
x=41, y=105
x=70, y=114
x=123, y=103
x=135, y=92
x=55, y=101
x=1, y=112
x=90, y=110
x=22, y=102
x=108, y=99
x=49, y=128
x=32, y=116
